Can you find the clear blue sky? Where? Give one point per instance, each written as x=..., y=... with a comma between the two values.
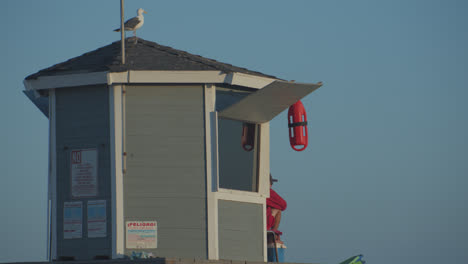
x=386, y=170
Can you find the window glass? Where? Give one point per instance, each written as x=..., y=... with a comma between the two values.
x=237, y=148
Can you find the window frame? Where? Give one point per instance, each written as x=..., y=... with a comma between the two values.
x=260, y=162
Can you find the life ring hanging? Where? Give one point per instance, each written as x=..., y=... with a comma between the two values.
x=297, y=126
x=248, y=136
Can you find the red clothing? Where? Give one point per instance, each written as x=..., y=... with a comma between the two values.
x=270, y=218
x=277, y=202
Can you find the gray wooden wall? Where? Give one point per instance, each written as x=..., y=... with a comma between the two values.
x=165, y=179
x=82, y=121
x=240, y=231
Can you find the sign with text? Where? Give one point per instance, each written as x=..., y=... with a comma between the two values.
x=72, y=220
x=84, y=173
x=141, y=234
x=97, y=219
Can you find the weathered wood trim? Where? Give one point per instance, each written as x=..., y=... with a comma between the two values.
x=176, y=77
x=265, y=239
x=264, y=166
x=117, y=77
x=69, y=80
x=256, y=160
x=214, y=150
x=53, y=175
x=240, y=196
x=112, y=135
x=115, y=117
x=211, y=173
x=248, y=80
x=73, y=80
x=264, y=176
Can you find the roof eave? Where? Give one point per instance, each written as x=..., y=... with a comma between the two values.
x=141, y=77
x=275, y=95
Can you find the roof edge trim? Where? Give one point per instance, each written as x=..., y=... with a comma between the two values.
x=233, y=78
x=248, y=80
x=69, y=80
x=166, y=77
x=73, y=80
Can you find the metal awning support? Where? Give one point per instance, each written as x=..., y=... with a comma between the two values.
x=266, y=103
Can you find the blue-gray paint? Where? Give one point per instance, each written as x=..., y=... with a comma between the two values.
x=82, y=121
x=165, y=179
x=240, y=231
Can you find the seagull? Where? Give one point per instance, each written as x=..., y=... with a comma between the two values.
x=134, y=23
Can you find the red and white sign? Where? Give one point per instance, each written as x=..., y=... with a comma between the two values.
x=84, y=173
x=142, y=234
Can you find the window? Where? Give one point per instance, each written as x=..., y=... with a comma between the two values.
x=238, y=155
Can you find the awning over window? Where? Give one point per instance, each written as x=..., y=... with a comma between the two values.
x=41, y=102
x=266, y=103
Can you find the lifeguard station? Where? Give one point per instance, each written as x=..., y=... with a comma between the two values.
x=148, y=157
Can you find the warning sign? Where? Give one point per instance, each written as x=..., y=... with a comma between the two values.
x=97, y=219
x=84, y=173
x=141, y=234
x=72, y=220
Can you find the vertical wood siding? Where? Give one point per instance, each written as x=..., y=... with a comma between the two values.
x=240, y=231
x=82, y=122
x=165, y=179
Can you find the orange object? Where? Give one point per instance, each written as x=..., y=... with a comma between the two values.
x=248, y=136
x=297, y=124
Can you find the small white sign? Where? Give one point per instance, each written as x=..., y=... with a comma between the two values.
x=84, y=173
x=72, y=220
x=141, y=234
x=97, y=219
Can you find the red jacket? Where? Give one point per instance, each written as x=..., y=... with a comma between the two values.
x=275, y=201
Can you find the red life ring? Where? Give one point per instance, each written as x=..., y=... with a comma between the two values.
x=297, y=125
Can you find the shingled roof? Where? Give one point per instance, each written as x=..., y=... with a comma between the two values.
x=139, y=55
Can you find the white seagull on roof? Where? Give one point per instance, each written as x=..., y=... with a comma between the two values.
x=134, y=23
